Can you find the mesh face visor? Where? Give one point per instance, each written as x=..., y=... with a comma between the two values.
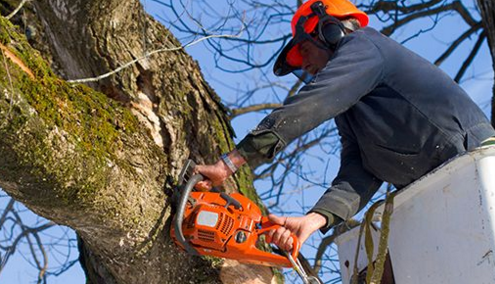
x=283, y=64
x=283, y=67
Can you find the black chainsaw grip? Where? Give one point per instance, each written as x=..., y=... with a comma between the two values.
x=230, y=200
x=179, y=215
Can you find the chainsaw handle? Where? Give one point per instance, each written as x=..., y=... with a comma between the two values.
x=231, y=201
x=179, y=215
x=267, y=225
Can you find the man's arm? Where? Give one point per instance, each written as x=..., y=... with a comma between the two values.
x=354, y=70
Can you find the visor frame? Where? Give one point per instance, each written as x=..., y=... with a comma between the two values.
x=282, y=66
x=290, y=59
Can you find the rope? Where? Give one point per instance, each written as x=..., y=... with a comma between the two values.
x=94, y=79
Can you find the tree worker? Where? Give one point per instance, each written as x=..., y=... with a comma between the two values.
x=398, y=115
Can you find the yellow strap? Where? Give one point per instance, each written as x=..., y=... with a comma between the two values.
x=375, y=271
x=489, y=141
x=383, y=243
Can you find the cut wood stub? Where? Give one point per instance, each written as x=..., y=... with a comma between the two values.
x=234, y=272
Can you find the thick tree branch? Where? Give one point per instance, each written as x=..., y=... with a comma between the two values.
x=105, y=162
x=487, y=9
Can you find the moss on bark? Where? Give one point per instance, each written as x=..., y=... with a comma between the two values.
x=76, y=156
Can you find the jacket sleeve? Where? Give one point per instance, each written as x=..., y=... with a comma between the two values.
x=353, y=71
x=352, y=188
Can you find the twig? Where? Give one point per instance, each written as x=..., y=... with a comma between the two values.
x=42, y=269
x=16, y=10
x=6, y=211
x=244, y=110
x=307, y=267
x=295, y=87
x=457, y=42
x=470, y=57
x=94, y=79
x=327, y=241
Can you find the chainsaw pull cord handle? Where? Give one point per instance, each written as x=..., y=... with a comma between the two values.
x=179, y=215
x=267, y=225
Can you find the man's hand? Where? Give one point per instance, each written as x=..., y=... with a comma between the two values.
x=302, y=227
x=217, y=173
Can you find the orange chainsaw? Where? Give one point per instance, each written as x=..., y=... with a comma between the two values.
x=225, y=225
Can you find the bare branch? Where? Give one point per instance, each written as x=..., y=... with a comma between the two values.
x=42, y=269
x=294, y=88
x=470, y=57
x=25, y=232
x=401, y=22
x=307, y=267
x=6, y=211
x=457, y=42
x=327, y=241
x=466, y=16
x=398, y=6
x=16, y=10
x=253, y=108
x=297, y=151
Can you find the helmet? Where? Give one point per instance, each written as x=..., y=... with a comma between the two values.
x=306, y=21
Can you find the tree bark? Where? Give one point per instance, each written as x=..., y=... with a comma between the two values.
x=103, y=160
x=487, y=9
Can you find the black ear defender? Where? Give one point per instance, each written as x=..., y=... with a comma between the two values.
x=330, y=29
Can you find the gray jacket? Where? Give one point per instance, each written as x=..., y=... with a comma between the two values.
x=398, y=115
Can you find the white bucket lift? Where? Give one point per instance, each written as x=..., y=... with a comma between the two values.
x=442, y=229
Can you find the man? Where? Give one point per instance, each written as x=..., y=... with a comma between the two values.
x=398, y=115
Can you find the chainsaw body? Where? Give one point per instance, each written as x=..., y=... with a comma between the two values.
x=223, y=225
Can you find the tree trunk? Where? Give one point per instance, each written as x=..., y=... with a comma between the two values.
x=487, y=9
x=103, y=160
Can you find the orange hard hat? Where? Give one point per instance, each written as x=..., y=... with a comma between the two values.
x=340, y=9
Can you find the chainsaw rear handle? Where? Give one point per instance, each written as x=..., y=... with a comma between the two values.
x=179, y=215
x=267, y=225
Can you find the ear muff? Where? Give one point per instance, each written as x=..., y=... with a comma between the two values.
x=330, y=29
x=331, y=33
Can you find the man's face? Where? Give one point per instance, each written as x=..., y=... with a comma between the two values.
x=314, y=57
